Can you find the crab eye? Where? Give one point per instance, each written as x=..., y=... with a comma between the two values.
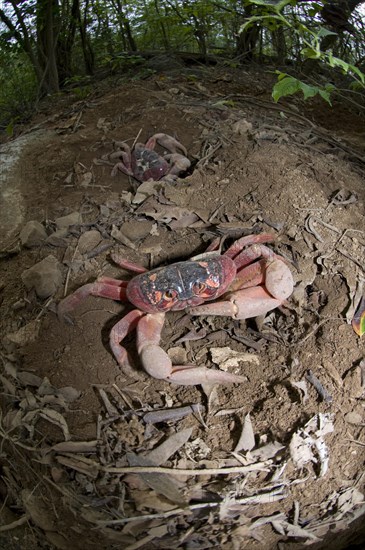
x=199, y=288
x=169, y=295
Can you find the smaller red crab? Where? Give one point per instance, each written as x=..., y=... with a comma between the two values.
x=143, y=163
x=245, y=285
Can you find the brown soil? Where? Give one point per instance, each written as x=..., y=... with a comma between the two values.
x=283, y=176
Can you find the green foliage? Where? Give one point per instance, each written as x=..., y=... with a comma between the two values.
x=288, y=85
x=18, y=89
x=108, y=34
x=311, y=40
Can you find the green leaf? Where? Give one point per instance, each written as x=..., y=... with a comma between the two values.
x=337, y=62
x=225, y=102
x=10, y=128
x=308, y=91
x=325, y=95
x=357, y=71
x=281, y=75
x=325, y=32
x=274, y=7
x=311, y=53
x=287, y=86
x=314, y=9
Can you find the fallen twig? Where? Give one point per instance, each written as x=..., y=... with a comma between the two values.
x=15, y=524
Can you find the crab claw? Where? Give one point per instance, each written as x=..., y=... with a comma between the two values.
x=255, y=300
x=178, y=163
x=158, y=364
x=166, y=141
x=189, y=375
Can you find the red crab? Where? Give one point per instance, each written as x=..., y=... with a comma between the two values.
x=143, y=163
x=249, y=278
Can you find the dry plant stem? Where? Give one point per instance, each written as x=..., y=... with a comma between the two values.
x=260, y=466
x=15, y=524
x=361, y=443
x=177, y=511
x=187, y=510
x=69, y=271
x=310, y=333
x=7, y=437
x=136, y=138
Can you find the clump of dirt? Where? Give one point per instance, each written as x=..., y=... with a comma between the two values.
x=277, y=459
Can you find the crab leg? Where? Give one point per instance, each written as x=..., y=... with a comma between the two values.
x=105, y=287
x=248, y=240
x=126, y=264
x=126, y=325
x=158, y=364
x=166, y=141
x=124, y=157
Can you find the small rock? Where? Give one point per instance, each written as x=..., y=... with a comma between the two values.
x=85, y=180
x=136, y=230
x=58, y=238
x=33, y=234
x=88, y=241
x=242, y=127
x=353, y=418
x=70, y=219
x=45, y=277
x=104, y=211
x=119, y=236
x=152, y=245
x=145, y=190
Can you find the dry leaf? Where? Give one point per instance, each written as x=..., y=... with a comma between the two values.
x=307, y=443
x=57, y=419
x=246, y=441
x=38, y=510
x=25, y=335
x=169, y=447
x=161, y=483
x=29, y=379
x=302, y=387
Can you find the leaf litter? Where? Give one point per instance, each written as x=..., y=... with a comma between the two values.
x=139, y=461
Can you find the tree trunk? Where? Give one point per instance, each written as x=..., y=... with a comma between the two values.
x=24, y=39
x=125, y=26
x=47, y=33
x=247, y=40
x=65, y=42
x=336, y=15
x=88, y=53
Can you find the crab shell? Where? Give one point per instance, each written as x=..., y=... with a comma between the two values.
x=147, y=164
x=182, y=284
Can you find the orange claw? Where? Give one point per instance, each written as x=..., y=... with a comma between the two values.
x=158, y=364
x=190, y=375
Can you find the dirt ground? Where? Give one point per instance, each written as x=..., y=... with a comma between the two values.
x=73, y=419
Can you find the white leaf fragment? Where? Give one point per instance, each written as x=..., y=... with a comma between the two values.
x=226, y=357
x=308, y=445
